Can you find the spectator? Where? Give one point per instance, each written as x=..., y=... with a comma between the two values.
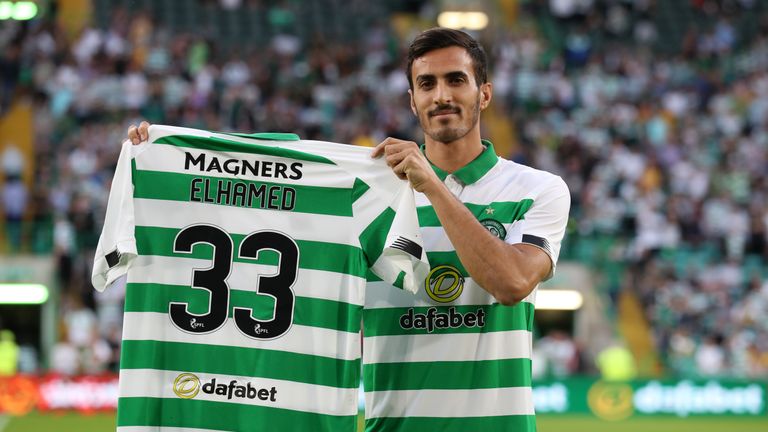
x=558, y=351
x=14, y=200
x=65, y=359
x=710, y=357
x=616, y=363
x=9, y=353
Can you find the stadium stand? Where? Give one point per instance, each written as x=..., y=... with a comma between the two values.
x=655, y=114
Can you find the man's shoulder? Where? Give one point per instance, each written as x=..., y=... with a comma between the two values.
x=527, y=176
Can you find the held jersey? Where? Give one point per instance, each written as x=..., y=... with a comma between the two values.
x=245, y=258
x=451, y=358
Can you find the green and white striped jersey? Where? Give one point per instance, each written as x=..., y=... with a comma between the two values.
x=245, y=260
x=452, y=359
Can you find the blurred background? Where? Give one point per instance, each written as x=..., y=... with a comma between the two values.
x=655, y=112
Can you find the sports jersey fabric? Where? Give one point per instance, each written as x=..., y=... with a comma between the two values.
x=451, y=358
x=244, y=259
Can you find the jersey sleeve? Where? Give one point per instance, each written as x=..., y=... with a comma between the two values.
x=117, y=246
x=544, y=224
x=394, y=246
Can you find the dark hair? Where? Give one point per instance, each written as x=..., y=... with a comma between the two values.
x=437, y=38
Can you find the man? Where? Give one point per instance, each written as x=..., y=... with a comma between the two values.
x=456, y=357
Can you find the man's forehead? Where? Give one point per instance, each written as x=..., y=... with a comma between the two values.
x=443, y=61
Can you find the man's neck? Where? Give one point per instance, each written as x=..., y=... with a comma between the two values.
x=454, y=155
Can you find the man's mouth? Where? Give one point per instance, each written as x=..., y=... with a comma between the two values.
x=443, y=111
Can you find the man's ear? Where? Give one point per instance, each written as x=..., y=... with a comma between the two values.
x=413, y=105
x=486, y=93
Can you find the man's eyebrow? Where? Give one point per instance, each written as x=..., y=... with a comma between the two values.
x=457, y=74
x=448, y=75
x=425, y=77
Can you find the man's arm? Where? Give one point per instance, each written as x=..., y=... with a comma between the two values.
x=508, y=272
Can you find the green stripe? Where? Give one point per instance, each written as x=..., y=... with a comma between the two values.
x=266, y=136
x=312, y=312
x=447, y=258
x=400, y=281
x=219, y=144
x=481, y=374
x=359, y=189
x=170, y=186
x=375, y=235
x=314, y=255
x=371, y=276
x=504, y=212
x=190, y=413
x=497, y=317
x=229, y=360
x=513, y=423
x=435, y=259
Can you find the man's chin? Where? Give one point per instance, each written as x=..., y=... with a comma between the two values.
x=445, y=135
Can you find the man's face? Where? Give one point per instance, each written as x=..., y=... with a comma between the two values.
x=445, y=96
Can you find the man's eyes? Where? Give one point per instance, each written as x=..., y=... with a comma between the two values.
x=451, y=80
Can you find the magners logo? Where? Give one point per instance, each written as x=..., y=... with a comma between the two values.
x=186, y=385
x=444, y=284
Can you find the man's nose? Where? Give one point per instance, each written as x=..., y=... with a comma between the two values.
x=442, y=94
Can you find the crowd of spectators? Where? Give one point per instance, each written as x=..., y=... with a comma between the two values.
x=666, y=155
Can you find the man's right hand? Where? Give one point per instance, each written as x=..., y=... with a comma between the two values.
x=138, y=134
x=408, y=162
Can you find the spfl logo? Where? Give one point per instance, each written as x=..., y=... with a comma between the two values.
x=258, y=330
x=186, y=385
x=495, y=227
x=444, y=284
x=194, y=324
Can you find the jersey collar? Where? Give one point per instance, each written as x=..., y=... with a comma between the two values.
x=474, y=170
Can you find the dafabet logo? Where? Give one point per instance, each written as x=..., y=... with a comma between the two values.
x=444, y=284
x=186, y=385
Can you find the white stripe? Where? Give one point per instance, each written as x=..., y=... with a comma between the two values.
x=353, y=159
x=299, y=339
x=506, y=181
x=454, y=347
x=436, y=240
x=309, y=283
x=238, y=220
x=171, y=159
x=450, y=403
x=383, y=295
x=287, y=394
x=163, y=429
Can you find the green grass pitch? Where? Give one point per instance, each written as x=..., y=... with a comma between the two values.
x=38, y=422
